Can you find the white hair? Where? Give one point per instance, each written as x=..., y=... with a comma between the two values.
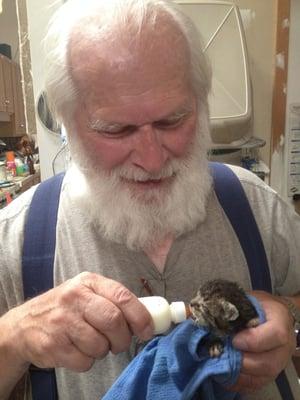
x=100, y=20
x=141, y=222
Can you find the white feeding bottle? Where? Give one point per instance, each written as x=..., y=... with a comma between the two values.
x=163, y=313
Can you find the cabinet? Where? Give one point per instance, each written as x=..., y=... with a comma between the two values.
x=2, y=94
x=6, y=85
x=11, y=99
x=18, y=118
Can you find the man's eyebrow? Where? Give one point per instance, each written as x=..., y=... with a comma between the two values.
x=102, y=125
x=182, y=112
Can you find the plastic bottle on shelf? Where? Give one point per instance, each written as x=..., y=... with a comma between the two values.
x=10, y=156
x=11, y=169
x=29, y=162
x=19, y=167
x=164, y=314
x=10, y=165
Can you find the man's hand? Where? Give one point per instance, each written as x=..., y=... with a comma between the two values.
x=75, y=323
x=266, y=348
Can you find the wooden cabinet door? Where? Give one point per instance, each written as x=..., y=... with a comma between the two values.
x=8, y=87
x=2, y=88
x=13, y=102
x=19, y=120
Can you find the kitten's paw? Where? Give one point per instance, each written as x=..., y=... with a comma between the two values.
x=253, y=323
x=216, y=349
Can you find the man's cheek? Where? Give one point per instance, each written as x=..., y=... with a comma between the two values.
x=184, y=140
x=108, y=157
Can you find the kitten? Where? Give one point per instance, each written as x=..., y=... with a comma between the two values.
x=225, y=309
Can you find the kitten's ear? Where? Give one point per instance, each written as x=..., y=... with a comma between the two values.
x=231, y=313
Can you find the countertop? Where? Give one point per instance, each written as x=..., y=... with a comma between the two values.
x=18, y=185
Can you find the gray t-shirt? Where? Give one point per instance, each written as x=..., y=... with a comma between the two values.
x=210, y=251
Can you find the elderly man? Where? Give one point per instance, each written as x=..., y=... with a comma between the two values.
x=129, y=82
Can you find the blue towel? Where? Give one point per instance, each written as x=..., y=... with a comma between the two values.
x=178, y=367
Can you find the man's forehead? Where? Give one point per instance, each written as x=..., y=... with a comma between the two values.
x=149, y=58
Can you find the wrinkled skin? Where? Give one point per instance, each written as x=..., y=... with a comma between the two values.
x=52, y=330
x=267, y=348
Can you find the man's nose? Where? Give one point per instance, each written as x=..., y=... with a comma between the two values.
x=149, y=152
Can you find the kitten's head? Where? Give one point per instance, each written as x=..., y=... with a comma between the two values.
x=216, y=312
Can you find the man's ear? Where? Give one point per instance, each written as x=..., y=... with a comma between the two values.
x=231, y=313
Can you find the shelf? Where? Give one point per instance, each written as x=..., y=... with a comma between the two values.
x=245, y=143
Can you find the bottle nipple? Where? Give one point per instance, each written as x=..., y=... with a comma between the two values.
x=163, y=313
x=179, y=311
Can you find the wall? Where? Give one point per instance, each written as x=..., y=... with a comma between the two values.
x=9, y=27
x=260, y=31
x=293, y=89
x=39, y=12
x=279, y=158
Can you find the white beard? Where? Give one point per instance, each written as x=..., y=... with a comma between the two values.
x=141, y=221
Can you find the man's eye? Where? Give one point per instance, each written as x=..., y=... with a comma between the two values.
x=169, y=124
x=116, y=132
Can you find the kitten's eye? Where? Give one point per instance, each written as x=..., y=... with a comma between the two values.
x=195, y=304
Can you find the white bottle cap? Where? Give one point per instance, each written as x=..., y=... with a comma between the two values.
x=178, y=311
x=159, y=309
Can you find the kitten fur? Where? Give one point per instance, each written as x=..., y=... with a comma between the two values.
x=224, y=308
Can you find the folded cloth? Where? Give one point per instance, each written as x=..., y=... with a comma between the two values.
x=178, y=367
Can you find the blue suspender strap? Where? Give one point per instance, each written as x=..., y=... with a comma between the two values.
x=39, y=238
x=237, y=208
x=234, y=202
x=37, y=265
